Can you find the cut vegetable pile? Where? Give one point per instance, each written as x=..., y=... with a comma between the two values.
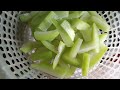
x=65, y=41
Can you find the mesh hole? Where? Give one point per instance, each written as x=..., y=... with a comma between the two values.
x=115, y=60
x=1, y=48
x=110, y=32
x=117, y=23
x=112, y=21
x=25, y=64
x=110, y=36
x=14, y=20
x=117, y=45
x=111, y=17
x=14, y=37
x=114, y=14
x=109, y=13
x=114, y=40
x=21, y=59
x=110, y=40
x=21, y=66
x=118, y=29
x=14, y=54
x=17, y=75
x=107, y=19
x=9, y=36
x=4, y=22
x=4, y=35
x=4, y=28
x=29, y=68
x=6, y=15
x=17, y=60
x=4, y=55
x=10, y=42
x=118, y=55
x=10, y=18
x=13, y=32
x=18, y=54
x=107, y=58
x=25, y=70
x=9, y=30
x=9, y=24
x=16, y=49
x=13, y=62
x=113, y=45
x=119, y=33
x=22, y=53
x=25, y=58
x=116, y=19
x=12, y=69
x=12, y=49
x=28, y=63
x=109, y=45
x=8, y=62
x=0, y=41
x=16, y=15
x=21, y=72
x=111, y=59
x=13, y=26
x=5, y=41
x=16, y=67
x=114, y=35
x=38, y=76
x=12, y=12
x=101, y=61
x=9, y=55
x=113, y=26
x=15, y=43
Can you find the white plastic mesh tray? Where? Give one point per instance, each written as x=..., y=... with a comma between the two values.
x=14, y=64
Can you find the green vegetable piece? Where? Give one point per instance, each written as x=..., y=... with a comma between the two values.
x=80, y=58
x=85, y=17
x=94, y=13
x=70, y=72
x=80, y=25
x=61, y=14
x=100, y=24
x=64, y=35
x=46, y=23
x=69, y=60
x=29, y=46
x=74, y=14
x=47, y=35
x=78, y=35
x=60, y=51
x=49, y=46
x=58, y=72
x=87, y=46
x=41, y=54
x=75, y=48
x=85, y=64
x=96, y=57
x=25, y=17
x=67, y=27
x=86, y=34
x=28, y=16
x=37, y=19
x=95, y=36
